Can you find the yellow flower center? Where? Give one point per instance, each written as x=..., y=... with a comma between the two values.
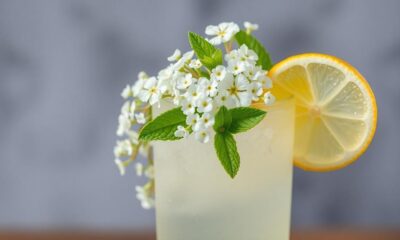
x=153, y=90
x=233, y=90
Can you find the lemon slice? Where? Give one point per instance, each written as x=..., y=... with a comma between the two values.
x=336, y=111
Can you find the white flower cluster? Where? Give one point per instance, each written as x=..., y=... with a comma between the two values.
x=135, y=113
x=197, y=90
x=145, y=194
x=238, y=84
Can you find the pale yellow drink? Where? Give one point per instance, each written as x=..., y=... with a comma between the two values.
x=197, y=200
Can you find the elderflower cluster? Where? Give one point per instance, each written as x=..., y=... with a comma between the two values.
x=197, y=90
x=134, y=114
x=238, y=84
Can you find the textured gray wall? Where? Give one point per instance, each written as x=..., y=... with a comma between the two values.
x=64, y=63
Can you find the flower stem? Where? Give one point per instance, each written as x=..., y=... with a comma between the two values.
x=193, y=72
x=144, y=108
x=228, y=46
x=134, y=152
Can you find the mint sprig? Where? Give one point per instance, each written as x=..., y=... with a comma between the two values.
x=223, y=120
x=245, y=118
x=264, y=60
x=227, y=123
x=208, y=55
x=164, y=126
x=225, y=146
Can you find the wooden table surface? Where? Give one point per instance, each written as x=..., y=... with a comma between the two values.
x=296, y=235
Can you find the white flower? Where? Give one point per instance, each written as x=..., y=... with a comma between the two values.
x=124, y=124
x=198, y=126
x=183, y=80
x=250, y=26
x=181, y=132
x=246, y=55
x=175, y=56
x=188, y=107
x=209, y=86
x=127, y=92
x=145, y=196
x=128, y=109
x=237, y=87
x=183, y=60
x=231, y=56
x=195, y=80
x=269, y=99
x=194, y=92
x=138, y=86
x=123, y=148
x=207, y=119
x=253, y=72
x=149, y=171
x=223, y=32
x=265, y=81
x=140, y=118
x=147, y=203
x=139, y=169
x=218, y=73
x=236, y=67
x=204, y=104
x=165, y=78
x=192, y=119
x=202, y=123
x=151, y=92
x=125, y=109
x=256, y=90
x=224, y=99
x=195, y=63
x=178, y=98
x=121, y=166
x=202, y=136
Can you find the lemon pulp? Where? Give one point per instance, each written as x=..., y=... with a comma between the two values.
x=336, y=111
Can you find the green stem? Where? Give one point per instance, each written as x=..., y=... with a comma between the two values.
x=150, y=155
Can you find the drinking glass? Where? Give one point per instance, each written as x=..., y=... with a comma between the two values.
x=197, y=200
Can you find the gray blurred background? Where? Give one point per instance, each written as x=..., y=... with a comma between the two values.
x=64, y=63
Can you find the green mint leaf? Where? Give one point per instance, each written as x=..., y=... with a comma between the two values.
x=245, y=118
x=207, y=61
x=164, y=126
x=200, y=45
x=217, y=56
x=223, y=120
x=251, y=42
x=225, y=146
x=205, y=74
x=208, y=55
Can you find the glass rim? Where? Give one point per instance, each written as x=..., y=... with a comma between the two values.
x=276, y=105
x=260, y=104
